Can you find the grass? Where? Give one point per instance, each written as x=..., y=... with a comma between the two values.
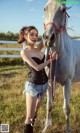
x=12, y=101
x=13, y=109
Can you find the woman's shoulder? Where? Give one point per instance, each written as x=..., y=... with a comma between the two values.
x=24, y=51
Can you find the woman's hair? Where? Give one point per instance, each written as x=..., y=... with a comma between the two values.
x=22, y=32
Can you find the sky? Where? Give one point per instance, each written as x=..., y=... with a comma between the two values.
x=14, y=14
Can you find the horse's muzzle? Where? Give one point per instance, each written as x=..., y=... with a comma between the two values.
x=49, y=40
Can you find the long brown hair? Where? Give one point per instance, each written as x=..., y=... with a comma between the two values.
x=22, y=32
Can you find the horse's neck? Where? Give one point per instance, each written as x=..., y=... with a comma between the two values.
x=64, y=41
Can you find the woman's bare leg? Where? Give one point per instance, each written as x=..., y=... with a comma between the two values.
x=30, y=107
x=38, y=104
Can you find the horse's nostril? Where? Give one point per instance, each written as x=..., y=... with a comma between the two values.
x=45, y=36
x=52, y=37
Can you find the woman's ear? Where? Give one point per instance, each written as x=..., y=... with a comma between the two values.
x=25, y=36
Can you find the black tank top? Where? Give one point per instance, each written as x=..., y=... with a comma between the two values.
x=37, y=77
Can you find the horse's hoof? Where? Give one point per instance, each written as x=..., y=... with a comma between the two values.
x=49, y=123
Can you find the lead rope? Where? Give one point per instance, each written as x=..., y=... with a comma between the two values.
x=53, y=83
x=51, y=77
x=55, y=73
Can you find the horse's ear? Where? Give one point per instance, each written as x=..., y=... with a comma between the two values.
x=67, y=8
x=63, y=8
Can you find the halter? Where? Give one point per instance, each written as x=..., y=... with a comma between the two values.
x=58, y=30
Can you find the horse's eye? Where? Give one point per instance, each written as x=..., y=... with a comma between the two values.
x=44, y=9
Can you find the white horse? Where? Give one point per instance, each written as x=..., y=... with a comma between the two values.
x=69, y=63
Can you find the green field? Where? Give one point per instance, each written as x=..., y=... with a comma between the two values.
x=13, y=109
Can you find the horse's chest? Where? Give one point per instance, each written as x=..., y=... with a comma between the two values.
x=62, y=71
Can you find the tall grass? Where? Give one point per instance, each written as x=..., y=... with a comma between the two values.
x=13, y=109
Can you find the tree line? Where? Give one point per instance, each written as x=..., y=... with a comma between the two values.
x=9, y=36
x=12, y=36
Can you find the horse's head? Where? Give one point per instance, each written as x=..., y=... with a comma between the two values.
x=54, y=21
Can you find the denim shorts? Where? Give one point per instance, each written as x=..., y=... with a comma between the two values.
x=35, y=90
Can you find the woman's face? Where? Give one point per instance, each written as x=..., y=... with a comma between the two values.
x=31, y=37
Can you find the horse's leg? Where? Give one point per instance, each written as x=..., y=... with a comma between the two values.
x=48, y=114
x=66, y=93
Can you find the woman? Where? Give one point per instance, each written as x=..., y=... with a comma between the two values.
x=37, y=82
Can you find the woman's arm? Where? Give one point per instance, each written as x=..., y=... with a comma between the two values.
x=32, y=63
